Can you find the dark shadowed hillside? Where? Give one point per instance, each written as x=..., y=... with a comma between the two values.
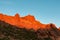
x=10, y=32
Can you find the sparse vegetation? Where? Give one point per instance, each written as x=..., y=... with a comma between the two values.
x=10, y=32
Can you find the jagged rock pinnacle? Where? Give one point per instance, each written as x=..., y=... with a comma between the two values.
x=17, y=15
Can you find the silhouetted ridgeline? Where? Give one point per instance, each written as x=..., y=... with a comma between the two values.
x=10, y=32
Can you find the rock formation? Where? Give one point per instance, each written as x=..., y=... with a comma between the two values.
x=26, y=28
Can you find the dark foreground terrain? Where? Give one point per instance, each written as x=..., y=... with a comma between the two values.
x=10, y=32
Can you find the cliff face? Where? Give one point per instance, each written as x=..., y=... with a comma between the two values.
x=23, y=21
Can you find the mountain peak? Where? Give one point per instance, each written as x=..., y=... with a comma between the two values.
x=30, y=18
x=17, y=15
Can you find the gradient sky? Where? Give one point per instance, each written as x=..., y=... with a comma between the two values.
x=45, y=11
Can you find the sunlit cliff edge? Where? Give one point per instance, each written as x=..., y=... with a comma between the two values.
x=28, y=22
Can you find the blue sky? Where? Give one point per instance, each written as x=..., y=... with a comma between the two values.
x=45, y=11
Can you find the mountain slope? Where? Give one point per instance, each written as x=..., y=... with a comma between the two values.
x=11, y=32
x=26, y=28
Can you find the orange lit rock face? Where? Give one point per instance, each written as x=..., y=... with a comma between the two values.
x=27, y=22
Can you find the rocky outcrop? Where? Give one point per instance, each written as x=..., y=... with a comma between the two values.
x=22, y=21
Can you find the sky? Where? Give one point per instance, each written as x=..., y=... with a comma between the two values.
x=45, y=11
